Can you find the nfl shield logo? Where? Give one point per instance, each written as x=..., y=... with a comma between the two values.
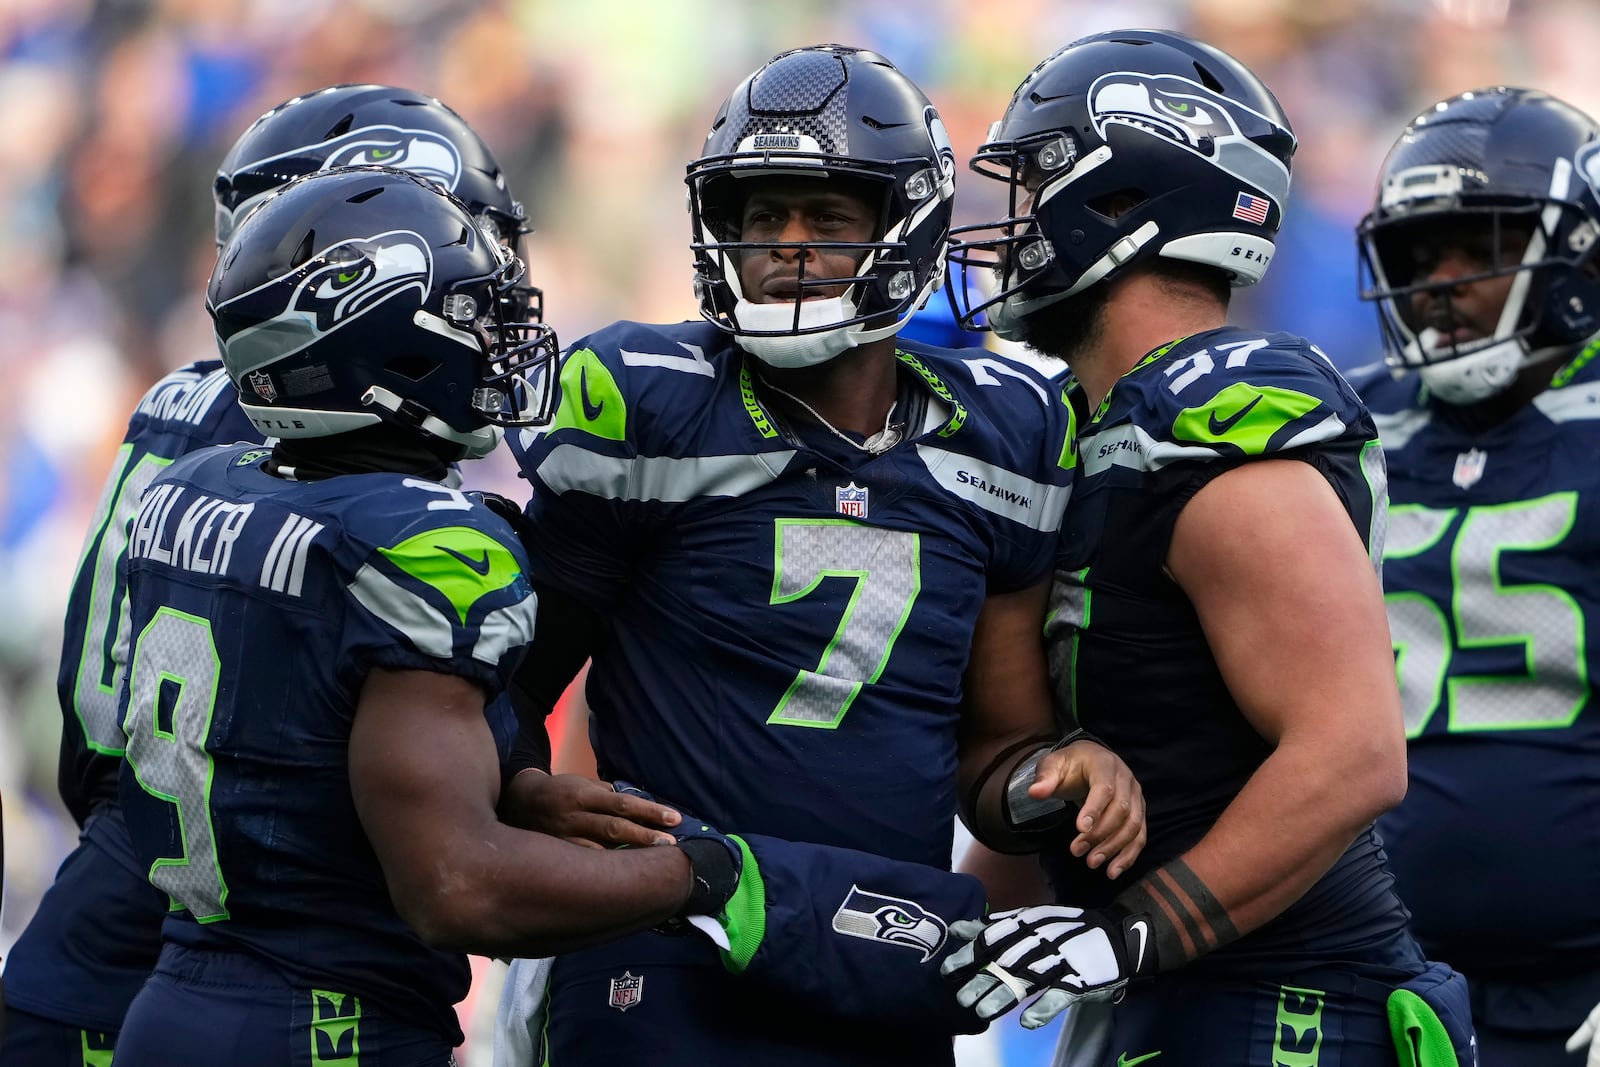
x=261, y=382
x=1469, y=467
x=627, y=991
x=851, y=500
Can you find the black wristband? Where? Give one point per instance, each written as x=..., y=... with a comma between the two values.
x=1139, y=942
x=714, y=876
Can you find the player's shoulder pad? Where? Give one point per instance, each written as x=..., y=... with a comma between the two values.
x=1014, y=401
x=417, y=532
x=632, y=382
x=1227, y=393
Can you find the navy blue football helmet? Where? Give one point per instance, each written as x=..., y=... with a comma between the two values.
x=1515, y=173
x=1120, y=147
x=832, y=112
x=366, y=295
x=372, y=125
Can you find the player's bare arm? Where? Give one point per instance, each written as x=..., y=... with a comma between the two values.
x=1293, y=612
x=424, y=774
x=1009, y=731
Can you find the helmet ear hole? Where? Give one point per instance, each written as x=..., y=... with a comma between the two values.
x=1208, y=79
x=411, y=367
x=1117, y=204
x=303, y=251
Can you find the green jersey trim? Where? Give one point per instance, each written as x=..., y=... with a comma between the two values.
x=572, y=468
x=1247, y=417
x=462, y=563
x=591, y=400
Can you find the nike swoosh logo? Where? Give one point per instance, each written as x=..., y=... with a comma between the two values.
x=1141, y=928
x=480, y=566
x=591, y=410
x=1123, y=1061
x=1222, y=426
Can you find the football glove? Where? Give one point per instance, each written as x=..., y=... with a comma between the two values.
x=727, y=901
x=1584, y=1038
x=1068, y=953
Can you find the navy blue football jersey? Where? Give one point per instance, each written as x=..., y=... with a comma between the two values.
x=193, y=407
x=1492, y=577
x=790, y=616
x=258, y=606
x=1128, y=656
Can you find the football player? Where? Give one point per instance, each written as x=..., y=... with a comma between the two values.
x=320, y=626
x=1217, y=616
x=96, y=933
x=809, y=561
x=1480, y=253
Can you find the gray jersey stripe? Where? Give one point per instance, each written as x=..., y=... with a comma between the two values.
x=422, y=624
x=572, y=468
x=1570, y=403
x=1396, y=430
x=1131, y=447
x=504, y=629
x=1006, y=493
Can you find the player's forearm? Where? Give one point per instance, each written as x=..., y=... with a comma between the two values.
x=1246, y=871
x=514, y=893
x=987, y=772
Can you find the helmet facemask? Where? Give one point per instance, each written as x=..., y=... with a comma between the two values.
x=846, y=120
x=879, y=295
x=1466, y=353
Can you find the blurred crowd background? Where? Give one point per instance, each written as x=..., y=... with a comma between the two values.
x=115, y=113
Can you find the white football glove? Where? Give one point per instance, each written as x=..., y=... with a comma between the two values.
x=1582, y=1038
x=1069, y=953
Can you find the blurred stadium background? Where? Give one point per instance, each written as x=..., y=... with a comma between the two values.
x=114, y=114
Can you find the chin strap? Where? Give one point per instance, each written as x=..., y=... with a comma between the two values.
x=478, y=443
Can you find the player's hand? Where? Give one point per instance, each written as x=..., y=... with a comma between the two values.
x=1110, y=822
x=1069, y=953
x=1583, y=1038
x=586, y=811
x=727, y=893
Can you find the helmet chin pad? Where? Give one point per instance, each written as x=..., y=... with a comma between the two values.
x=763, y=331
x=1479, y=376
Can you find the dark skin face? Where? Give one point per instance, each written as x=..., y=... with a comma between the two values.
x=1468, y=311
x=794, y=209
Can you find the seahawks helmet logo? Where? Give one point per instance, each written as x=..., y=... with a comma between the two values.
x=421, y=152
x=1190, y=115
x=336, y=286
x=891, y=920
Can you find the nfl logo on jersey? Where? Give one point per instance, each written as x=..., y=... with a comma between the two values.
x=851, y=500
x=627, y=991
x=1469, y=467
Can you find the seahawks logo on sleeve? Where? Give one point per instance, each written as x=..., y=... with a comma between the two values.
x=890, y=920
